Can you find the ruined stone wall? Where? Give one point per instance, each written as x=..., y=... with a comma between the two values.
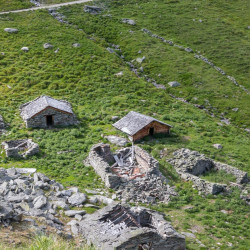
x=147, y=162
x=59, y=118
x=190, y=164
x=241, y=176
x=158, y=128
x=99, y=158
x=14, y=148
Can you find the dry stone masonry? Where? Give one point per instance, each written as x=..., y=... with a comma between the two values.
x=123, y=227
x=132, y=172
x=191, y=164
x=20, y=148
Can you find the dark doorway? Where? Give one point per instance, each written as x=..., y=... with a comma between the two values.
x=151, y=131
x=49, y=120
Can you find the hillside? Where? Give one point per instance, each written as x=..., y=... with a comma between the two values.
x=86, y=76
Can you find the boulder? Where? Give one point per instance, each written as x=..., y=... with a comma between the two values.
x=218, y=146
x=48, y=46
x=77, y=199
x=25, y=49
x=140, y=59
x=174, y=84
x=72, y=213
x=76, y=45
x=128, y=21
x=11, y=30
x=119, y=141
x=40, y=202
x=92, y=9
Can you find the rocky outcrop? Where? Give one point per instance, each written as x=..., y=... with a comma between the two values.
x=20, y=148
x=191, y=164
x=123, y=227
x=134, y=175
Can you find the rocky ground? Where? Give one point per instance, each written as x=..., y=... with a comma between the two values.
x=40, y=204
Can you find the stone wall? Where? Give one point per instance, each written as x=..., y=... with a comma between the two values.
x=60, y=118
x=20, y=148
x=158, y=128
x=191, y=164
x=100, y=158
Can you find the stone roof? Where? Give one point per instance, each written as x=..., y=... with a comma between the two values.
x=133, y=122
x=30, y=109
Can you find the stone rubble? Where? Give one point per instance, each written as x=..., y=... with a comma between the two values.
x=129, y=228
x=128, y=21
x=119, y=141
x=93, y=9
x=191, y=164
x=25, y=194
x=144, y=183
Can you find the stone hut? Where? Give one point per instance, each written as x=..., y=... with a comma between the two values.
x=122, y=227
x=45, y=112
x=137, y=126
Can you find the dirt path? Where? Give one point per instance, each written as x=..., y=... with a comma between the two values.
x=46, y=7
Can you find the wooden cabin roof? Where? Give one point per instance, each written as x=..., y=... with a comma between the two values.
x=133, y=122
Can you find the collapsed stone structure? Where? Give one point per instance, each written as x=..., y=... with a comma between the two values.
x=191, y=164
x=46, y=111
x=123, y=227
x=20, y=148
x=132, y=172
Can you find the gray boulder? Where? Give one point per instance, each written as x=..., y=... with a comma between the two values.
x=76, y=45
x=119, y=141
x=140, y=59
x=25, y=49
x=72, y=213
x=11, y=30
x=77, y=199
x=48, y=46
x=40, y=202
x=174, y=84
x=128, y=21
x=217, y=146
x=92, y=9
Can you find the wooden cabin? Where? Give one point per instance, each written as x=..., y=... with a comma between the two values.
x=137, y=126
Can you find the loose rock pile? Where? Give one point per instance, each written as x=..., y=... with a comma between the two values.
x=36, y=196
x=191, y=164
x=2, y=125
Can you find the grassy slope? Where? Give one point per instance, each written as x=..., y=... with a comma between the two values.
x=222, y=39
x=86, y=77
x=14, y=4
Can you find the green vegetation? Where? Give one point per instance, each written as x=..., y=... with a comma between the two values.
x=219, y=177
x=50, y=242
x=14, y=5
x=86, y=77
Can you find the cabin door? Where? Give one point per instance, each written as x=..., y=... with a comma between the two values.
x=151, y=131
x=49, y=120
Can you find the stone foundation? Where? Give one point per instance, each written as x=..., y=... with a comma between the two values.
x=123, y=227
x=20, y=148
x=191, y=164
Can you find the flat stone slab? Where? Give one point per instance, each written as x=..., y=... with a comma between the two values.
x=72, y=213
